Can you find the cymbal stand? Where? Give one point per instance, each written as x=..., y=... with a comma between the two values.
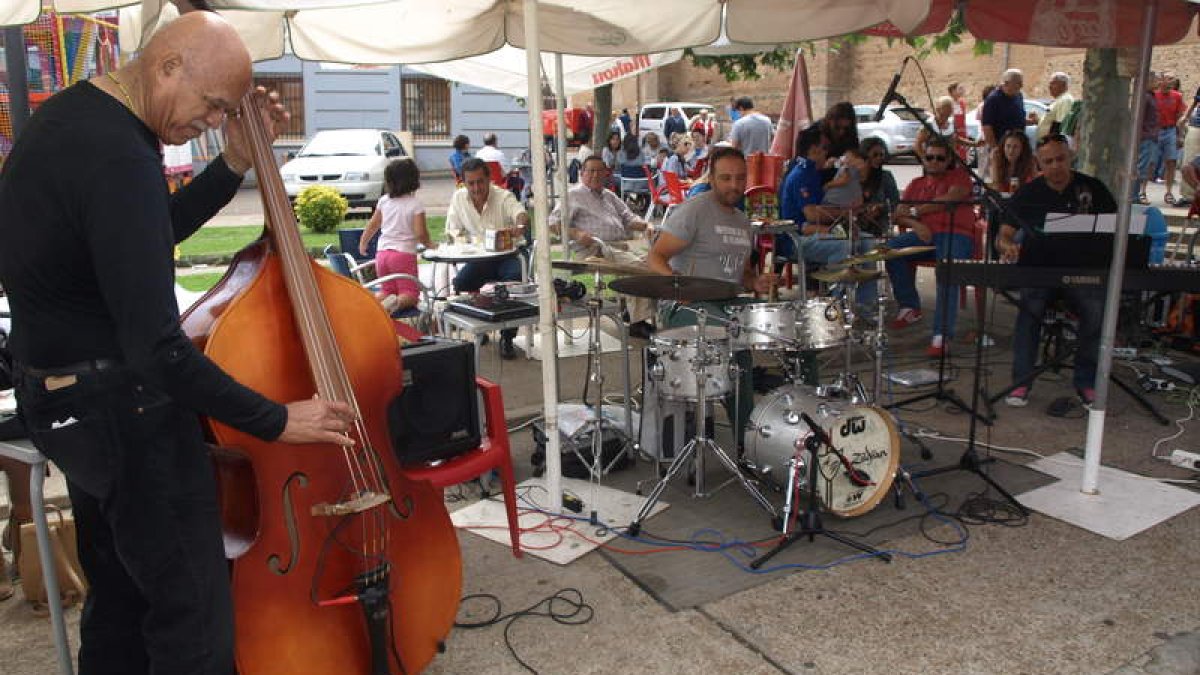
x=811, y=525
x=699, y=443
x=598, y=424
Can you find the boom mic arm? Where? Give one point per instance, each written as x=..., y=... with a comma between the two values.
x=891, y=90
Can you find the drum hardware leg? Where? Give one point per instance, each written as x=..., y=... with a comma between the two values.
x=694, y=449
x=811, y=524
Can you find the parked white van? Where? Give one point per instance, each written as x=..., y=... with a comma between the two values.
x=654, y=115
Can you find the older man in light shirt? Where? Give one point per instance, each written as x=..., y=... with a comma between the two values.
x=1058, y=111
x=602, y=225
x=475, y=208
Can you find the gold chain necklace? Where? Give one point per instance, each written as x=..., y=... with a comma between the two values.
x=124, y=91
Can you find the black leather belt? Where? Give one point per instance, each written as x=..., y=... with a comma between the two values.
x=80, y=368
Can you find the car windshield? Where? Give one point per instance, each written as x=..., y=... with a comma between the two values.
x=341, y=144
x=906, y=115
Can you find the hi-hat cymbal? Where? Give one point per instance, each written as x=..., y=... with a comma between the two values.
x=666, y=287
x=884, y=253
x=851, y=275
x=598, y=265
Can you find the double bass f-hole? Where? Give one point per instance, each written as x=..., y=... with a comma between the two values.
x=289, y=522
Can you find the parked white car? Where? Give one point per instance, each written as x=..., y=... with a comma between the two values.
x=349, y=160
x=653, y=116
x=898, y=128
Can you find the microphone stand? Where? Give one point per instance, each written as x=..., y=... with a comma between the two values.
x=970, y=459
x=811, y=525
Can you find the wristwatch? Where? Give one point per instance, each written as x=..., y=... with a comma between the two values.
x=912, y=211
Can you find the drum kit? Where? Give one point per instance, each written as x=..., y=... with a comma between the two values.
x=830, y=440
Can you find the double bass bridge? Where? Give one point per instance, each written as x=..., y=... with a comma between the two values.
x=363, y=502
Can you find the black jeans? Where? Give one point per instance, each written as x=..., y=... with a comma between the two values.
x=148, y=524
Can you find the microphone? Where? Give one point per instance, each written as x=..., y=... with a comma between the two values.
x=856, y=475
x=891, y=91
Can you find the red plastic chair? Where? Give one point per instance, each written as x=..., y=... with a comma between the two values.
x=764, y=170
x=698, y=168
x=497, y=172
x=665, y=196
x=492, y=454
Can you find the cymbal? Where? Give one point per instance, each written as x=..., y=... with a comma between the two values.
x=598, y=265
x=851, y=275
x=884, y=253
x=666, y=287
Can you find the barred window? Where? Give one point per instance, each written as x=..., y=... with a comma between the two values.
x=291, y=95
x=426, y=102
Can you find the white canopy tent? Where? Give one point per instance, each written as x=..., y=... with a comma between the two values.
x=418, y=31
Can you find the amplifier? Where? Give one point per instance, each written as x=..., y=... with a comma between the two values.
x=437, y=414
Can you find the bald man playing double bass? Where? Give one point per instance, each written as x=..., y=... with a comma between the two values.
x=108, y=384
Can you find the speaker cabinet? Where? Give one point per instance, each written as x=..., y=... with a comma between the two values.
x=437, y=414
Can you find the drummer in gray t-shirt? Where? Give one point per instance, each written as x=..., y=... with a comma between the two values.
x=708, y=236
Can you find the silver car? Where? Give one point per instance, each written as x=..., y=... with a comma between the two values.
x=898, y=128
x=975, y=129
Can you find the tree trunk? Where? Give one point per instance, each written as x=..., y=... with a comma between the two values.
x=1104, y=123
x=603, y=108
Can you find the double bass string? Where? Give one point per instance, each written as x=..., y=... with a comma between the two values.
x=328, y=369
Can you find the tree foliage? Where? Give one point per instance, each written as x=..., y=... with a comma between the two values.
x=736, y=67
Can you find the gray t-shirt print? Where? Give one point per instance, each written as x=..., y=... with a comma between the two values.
x=719, y=239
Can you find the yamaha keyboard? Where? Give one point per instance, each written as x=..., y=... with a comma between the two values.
x=1167, y=278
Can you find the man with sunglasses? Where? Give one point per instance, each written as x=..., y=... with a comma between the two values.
x=948, y=227
x=1058, y=190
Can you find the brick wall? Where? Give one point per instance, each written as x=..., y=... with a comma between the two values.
x=862, y=72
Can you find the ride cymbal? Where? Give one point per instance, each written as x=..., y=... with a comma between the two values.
x=883, y=253
x=665, y=287
x=851, y=275
x=598, y=265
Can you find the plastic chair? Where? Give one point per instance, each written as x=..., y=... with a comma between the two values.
x=493, y=453
x=345, y=265
x=497, y=173
x=663, y=196
x=764, y=170
x=23, y=451
x=698, y=168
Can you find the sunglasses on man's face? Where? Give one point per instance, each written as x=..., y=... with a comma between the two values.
x=935, y=158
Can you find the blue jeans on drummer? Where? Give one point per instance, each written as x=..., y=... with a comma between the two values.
x=1088, y=305
x=473, y=275
x=904, y=276
x=823, y=249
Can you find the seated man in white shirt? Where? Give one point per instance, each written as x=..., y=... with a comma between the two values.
x=490, y=153
x=476, y=207
x=603, y=226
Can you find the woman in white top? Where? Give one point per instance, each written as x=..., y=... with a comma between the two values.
x=400, y=217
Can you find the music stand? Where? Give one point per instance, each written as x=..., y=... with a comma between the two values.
x=941, y=393
x=970, y=459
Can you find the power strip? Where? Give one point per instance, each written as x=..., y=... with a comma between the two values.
x=1185, y=459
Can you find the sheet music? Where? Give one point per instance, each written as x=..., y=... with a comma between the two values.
x=1063, y=223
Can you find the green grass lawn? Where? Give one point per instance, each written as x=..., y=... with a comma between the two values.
x=217, y=241
x=199, y=282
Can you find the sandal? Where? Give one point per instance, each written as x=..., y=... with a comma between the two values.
x=1169, y=199
x=1143, y=199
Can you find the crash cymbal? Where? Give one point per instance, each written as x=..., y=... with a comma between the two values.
x=884, y=253
x=598, y=265
x=851, y=275
x=666, y=287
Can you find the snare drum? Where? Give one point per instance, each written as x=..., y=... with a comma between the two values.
x=821, y=324
x=764, y=325
x=677, y=351
x=866, y=436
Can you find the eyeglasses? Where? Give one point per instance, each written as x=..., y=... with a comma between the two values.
x=936, y=158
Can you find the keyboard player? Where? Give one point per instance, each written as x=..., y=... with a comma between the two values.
x=1058, y=190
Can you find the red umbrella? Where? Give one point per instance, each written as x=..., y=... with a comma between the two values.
x=1076, y=23
x=797, y=110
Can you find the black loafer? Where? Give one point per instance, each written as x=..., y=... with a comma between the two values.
x=508, y=351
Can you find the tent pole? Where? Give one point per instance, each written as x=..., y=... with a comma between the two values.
x=1116, y=272
x=560, y=141
x=541, y=234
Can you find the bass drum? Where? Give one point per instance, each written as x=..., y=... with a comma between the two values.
x=866, y=436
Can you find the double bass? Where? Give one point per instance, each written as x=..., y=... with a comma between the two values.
x=339, y=563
